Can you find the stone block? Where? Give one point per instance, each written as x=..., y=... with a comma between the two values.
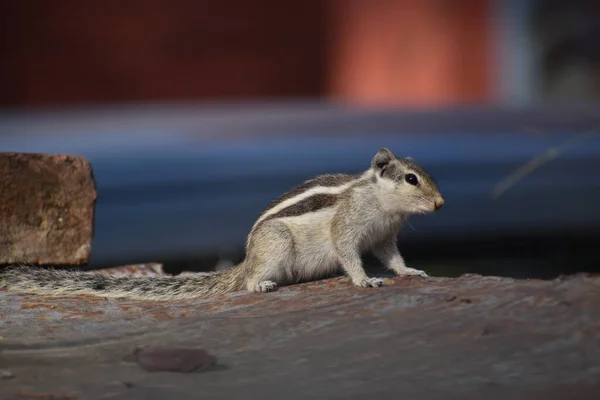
x=46, y=209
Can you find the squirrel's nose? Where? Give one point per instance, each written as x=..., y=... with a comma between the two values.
x=439, y=202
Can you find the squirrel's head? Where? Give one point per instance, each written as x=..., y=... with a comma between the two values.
x=403, y=186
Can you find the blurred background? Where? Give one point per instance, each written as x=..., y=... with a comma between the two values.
x=195, y=114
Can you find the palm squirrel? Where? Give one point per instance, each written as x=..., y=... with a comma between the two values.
x=308, y=233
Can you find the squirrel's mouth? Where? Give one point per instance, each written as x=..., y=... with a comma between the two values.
x=426, y=208
x=431, y=206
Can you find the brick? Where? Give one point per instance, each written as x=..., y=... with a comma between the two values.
x=46, y=209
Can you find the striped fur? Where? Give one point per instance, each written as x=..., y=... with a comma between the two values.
x=324, y=184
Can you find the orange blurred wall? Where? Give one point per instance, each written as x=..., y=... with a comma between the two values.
x=405, y=52
x=379, y=52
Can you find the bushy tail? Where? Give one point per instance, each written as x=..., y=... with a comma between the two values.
x=56, y=282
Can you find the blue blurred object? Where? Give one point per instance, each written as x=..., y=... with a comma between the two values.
x=186, y=179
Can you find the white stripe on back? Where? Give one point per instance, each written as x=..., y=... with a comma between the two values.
x=310, y=192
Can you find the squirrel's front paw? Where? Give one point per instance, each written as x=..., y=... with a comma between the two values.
x=371, y=282
x=412, y=272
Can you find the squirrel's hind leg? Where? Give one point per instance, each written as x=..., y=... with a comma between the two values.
x=270, y=257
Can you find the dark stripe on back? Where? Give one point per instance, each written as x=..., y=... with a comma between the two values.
x=323, y=180
x=310, y=204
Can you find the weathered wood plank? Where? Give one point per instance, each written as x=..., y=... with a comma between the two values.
x=472, y=337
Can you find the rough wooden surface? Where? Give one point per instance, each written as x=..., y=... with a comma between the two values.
x=472, y=337
x=46, y=209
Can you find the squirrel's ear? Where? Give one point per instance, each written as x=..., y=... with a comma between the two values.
x=382, y=159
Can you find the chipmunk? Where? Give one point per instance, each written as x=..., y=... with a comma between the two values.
x=311, y=232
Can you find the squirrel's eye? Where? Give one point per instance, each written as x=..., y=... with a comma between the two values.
x=411, y=179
